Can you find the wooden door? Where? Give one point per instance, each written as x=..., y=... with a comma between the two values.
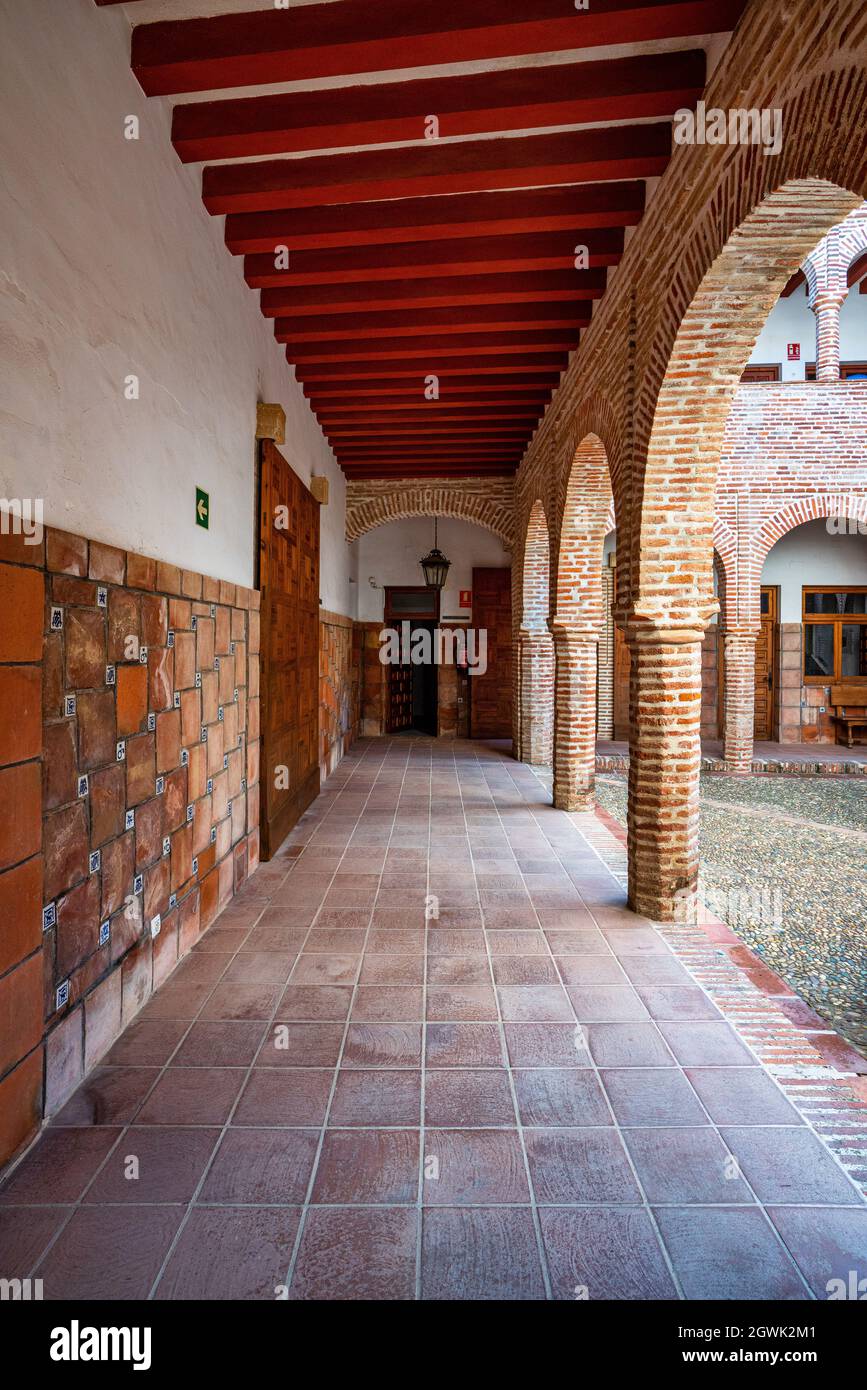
x=491, y=693
x=763, y=724
x=621, y=686
x=621, y=679
x=399, y=715
x=289, y=580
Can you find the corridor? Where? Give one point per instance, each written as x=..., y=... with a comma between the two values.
x=425, y=1052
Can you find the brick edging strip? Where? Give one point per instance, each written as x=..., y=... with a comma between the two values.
x=760, y=767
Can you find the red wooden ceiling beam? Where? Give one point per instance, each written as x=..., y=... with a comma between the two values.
x=393, y=467
x=792, y=284
x=398, y=400
x=857, y=270
x=447, y=292
x=448, y=453
x=338, y=378
x=312, y=41
x=504, y=436
x=501, y=342
x=445, y=322
x=422, y=471
x=567, y=208
x=623, y=89
x=436, y=411
x=483, y=431
x=589, y=156
x=364, y=396
x=453, y=398
x=458, y=256
x=434, y=444
x=501, y=449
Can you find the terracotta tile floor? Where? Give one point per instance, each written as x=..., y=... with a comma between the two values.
x=525, y=1096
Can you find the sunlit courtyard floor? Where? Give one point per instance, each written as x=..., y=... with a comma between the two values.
x=784, y=864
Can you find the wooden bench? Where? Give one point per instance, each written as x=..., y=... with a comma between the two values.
x=850, y=710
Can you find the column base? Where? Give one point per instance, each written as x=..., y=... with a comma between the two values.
x=681, y=910
x=568, y=800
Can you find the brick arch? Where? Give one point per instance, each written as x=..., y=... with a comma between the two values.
x=536, y=572
x=747, y=584
x=796, y=512
x=725, y=543
x=582, y=531
x=595, y=418
x=765, y=216
x=488, y=503
x=712, y=345
x=826, y=267
x=533, y=666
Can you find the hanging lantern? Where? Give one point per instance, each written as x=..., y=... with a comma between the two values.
x=434, y=565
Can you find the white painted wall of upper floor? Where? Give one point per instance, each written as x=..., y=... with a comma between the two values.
x=111, y=268
x=390, y=555
x=792, y=321
x=814, y=555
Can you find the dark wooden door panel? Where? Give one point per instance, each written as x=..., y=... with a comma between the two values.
x=399, y=698
x=763, y=721
x=621, y=686
x=491, y=693
x=289, y=580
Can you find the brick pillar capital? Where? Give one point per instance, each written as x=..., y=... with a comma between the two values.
x=828, y=299
x=566, y=633
x=649, y=623
x=649, y=635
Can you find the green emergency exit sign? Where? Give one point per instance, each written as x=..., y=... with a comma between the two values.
x=203, y=508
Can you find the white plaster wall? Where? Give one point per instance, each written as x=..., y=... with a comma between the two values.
x=390, y=554
x=793, y=321
x=810, y=555
x=112, y=266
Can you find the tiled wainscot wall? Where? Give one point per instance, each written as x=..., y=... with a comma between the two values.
x=129, y=805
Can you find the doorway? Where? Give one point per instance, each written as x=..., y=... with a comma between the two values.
x=412, y=687
x=766, y=644
x=491, y=689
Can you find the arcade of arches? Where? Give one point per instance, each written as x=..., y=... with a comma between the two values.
x=647, y=463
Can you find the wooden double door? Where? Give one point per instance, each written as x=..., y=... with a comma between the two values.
x=491, y=692
x=289, y=581
x=763, y=724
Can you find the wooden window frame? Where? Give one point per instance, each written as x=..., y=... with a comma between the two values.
x=837, y=620
x=847, y=370
x=413, y=617
x=775, y=367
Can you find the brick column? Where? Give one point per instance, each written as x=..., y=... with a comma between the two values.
x=575, y=656
x=664, y=762
x=740, y=698
x=536, y=667
x=826, y=306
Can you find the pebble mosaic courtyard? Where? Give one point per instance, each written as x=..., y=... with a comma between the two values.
x=799, y=843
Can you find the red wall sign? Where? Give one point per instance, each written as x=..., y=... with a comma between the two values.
x=466, y=600
x=794, y=351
